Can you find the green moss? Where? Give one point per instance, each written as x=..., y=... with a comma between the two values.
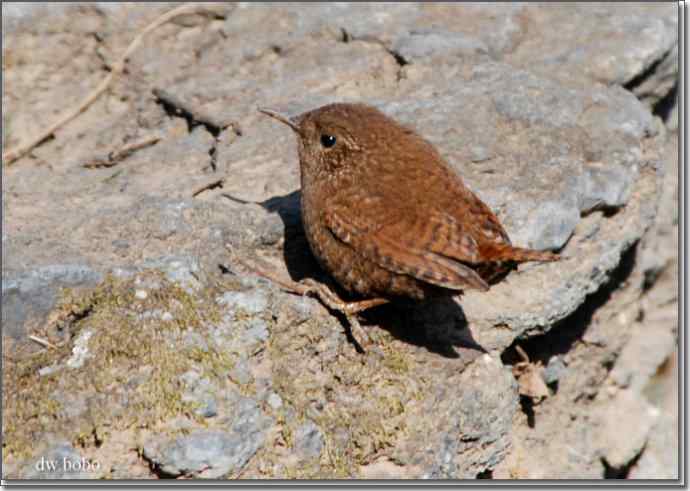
x=132, y=377
x=358, y=401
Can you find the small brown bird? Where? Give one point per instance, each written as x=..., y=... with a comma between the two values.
x=386, y=216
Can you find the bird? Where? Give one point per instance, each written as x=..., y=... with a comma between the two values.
x=387, y=217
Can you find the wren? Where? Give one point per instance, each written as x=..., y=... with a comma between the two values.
x=387, y=217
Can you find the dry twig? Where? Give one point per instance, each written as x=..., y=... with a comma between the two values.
x=118, y=68
x=216, y=183
x=42, y=342
x=114, y=157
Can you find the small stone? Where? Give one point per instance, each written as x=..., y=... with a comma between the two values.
x=551, y=225
x=256, y=332
x=203, y=453
x=240, y=372
x=555, y=369
x=182, y=270
x=167, y=316
x=45, y=371
x=479, y=153
x=211, y=454
x=608, y=185
x=251, y=302
x=207, y=405
x=274, y=400
x=190, y=377
x=121, y=244
x=141, y=294
x=80, y=350
x=309, y=440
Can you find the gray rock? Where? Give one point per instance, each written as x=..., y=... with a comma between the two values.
x=80, y=350
x=201, y=392
x=183, y=270
x=514, y=99
x=624, y=116
x=72, y=405
x=473, y=430
x=626, y=422
x=49, y=370
x=240, y=372
x=622, y=44
x=555, y=369
x=533, y=118
x=659, y=80
x=251, y=302
x=205, y=453
x=659, y=460
x=549, y=226
x=28, y=296
x=255, y=332
x=212, y=453
x=608, y=186
x=309, y=440
x=649, y=346
x=427, y=44
x=274, y=400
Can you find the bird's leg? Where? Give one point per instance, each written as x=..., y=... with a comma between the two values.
x=327, y=297
x=349, y=309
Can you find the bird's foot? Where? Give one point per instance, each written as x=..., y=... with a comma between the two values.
x=324, y=294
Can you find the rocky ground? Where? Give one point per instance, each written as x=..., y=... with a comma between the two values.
x=159, y=355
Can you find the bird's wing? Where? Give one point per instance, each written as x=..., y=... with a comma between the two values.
x=432, y=248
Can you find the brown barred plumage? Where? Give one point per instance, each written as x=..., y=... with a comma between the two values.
x=386, y=216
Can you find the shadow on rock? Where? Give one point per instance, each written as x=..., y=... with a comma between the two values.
x=439, y=325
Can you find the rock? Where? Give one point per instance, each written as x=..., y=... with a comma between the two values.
x=650, y=345
x=659, y=460
x=554, y=370
x=609, y=186
x=309, y=440
x=472, y=430
x=554, y=133
x=274, y=400
x=251, y=302
x=206, y=454
x=183, y=270
x=200, y=392
x=28, y=296
x=211, y=454
x=626, y=423
x=428, y=44
x=621, y=44
x=240, y=372
x=659, y=81
x=256, y=332
x=80, y=350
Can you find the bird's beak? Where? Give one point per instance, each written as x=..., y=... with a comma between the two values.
x=291, y=122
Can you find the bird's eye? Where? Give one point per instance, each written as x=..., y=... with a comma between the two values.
x=327, y=140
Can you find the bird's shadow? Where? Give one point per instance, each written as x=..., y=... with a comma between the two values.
x=438, y=325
